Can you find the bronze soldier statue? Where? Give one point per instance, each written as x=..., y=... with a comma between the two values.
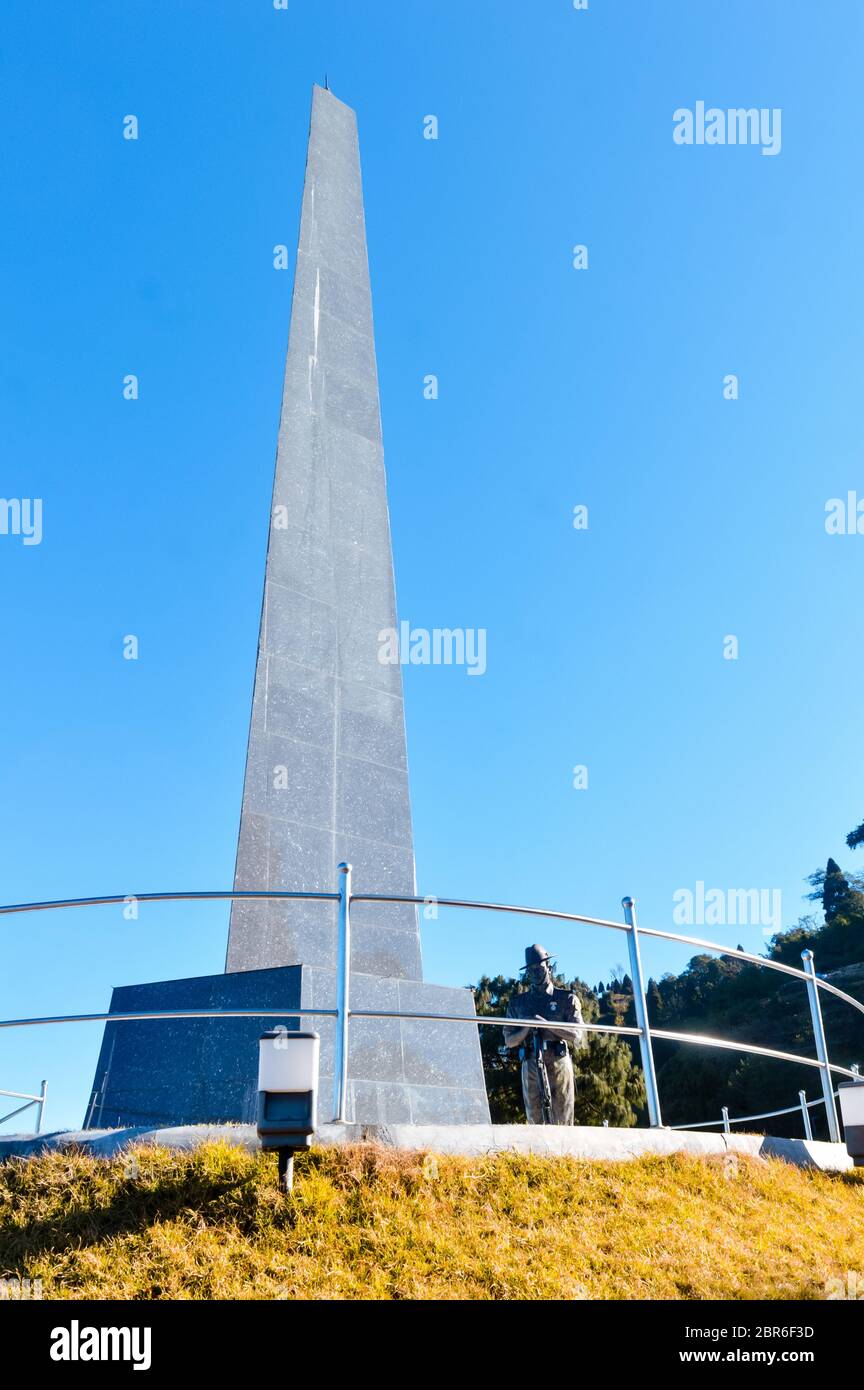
x=548, y=1087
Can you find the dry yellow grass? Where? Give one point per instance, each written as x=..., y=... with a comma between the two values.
x=372, y=1223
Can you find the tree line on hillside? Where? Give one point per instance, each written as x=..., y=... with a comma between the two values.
x=718, y=996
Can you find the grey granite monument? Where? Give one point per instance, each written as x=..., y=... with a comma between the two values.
x=326, y=769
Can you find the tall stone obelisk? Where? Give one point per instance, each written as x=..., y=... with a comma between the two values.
x=326, y=770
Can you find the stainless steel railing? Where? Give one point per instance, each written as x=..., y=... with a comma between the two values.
x=804, y=1106
x=38, y=1101
x=343, y=1013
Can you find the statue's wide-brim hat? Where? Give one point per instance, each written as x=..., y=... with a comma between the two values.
x=535, y=955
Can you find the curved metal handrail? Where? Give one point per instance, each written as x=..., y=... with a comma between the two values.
x=620, y=1030
x=487, y=907
x=120, y=899
x=765, y=1115
x=705, y=1040
x=724, y=950
x=148, y=1015
x=343, y=1012
x=841, y=994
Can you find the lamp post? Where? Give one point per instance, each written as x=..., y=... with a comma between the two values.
x=287, y=1095
x=851, y=1094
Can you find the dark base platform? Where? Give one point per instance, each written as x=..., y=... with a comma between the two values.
x=205, y=1071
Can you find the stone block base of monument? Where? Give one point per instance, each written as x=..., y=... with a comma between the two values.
x=204, y=1071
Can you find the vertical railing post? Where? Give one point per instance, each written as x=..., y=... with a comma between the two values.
x=808, y=1128
x=821, y=1047
x=727, y=1128
x=92, y=1106
x=41, y=1110
x=343, y=998
x=641, y=1004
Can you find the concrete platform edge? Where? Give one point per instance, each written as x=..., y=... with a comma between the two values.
x=578, y=1141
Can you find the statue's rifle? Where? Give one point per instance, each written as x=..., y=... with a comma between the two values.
x=543, y=1080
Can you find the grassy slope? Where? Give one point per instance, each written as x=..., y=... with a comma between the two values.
x=367, y=1222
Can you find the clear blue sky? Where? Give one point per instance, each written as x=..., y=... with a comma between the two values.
x=557, y=387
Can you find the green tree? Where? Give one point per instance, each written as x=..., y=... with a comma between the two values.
x=856, y=837
x=786, y=946
x=838, y=897
x=655, y=1002
x=501, y=1068
x=608, y=1085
